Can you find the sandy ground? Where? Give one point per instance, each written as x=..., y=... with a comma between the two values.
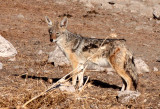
x=22, y=23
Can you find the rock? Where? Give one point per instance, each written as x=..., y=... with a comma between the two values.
x=40, y=52
x=155, y=69
x=113, y=35
x=126, y=96
x=1, y=65
x=20, y=16
x=67, y=87
x=156, y=12
x=12, y=59
x=145, y=100
x=110, y=71
x=6, y=48
x=141, y=66
x=17, y=67
x=58, y=58
x=31, y=70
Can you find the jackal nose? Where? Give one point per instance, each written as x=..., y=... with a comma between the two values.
x=51, y=40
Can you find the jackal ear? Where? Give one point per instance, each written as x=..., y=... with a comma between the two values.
x=64, y=22
x=49, y=22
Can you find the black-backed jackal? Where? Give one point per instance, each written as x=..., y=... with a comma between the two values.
x=102, y=51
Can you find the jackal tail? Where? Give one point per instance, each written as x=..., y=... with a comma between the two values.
x=130, y=68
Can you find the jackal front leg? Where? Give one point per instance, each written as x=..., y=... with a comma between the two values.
x=79, y=71
x=80, y=75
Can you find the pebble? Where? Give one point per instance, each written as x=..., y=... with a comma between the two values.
x=1, y=65
x=155, y=69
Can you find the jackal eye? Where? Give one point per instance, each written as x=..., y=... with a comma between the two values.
x=50, y=31
x=57, y=33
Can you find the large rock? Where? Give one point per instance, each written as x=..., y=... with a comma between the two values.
x=58, y=57
x=6, y=48
x=141, y=66
x=156, y=12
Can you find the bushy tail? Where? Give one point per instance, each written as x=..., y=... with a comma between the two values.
x=130, y=68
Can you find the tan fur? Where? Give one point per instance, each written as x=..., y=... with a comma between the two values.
x=78, y=49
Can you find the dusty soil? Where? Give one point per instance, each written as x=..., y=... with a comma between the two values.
x=22, y=23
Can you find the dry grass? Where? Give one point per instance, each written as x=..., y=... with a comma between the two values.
x=24, y=87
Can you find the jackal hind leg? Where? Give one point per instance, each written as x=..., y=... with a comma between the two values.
x=126, y=77
x=117, y=60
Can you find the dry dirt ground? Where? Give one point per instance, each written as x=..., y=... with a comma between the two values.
x=22, y=23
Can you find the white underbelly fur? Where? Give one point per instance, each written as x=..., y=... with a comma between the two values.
x=102, y=62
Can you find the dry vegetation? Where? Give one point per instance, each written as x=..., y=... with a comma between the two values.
x=22, y=23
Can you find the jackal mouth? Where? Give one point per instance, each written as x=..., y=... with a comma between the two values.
x=53, y=40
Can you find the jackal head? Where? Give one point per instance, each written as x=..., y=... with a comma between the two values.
x=56, y=30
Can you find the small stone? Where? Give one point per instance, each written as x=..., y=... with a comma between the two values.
x=156, y=12
x=1, y=65
x=50, y=80
x=46, y=71
x=16, y=67
x=20, y=16
x=67, y=87
x=110, y=73
x=145, y=100
x=155, y=69
x=126, y=96
x=12, y=59
x=31, y=70
x=113, y=35
x=40, y=52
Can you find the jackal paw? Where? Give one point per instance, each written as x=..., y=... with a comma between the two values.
x=80, y=88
